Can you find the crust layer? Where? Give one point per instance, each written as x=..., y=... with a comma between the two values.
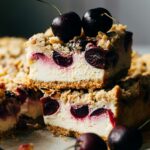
x=91, y=84
x=57, y=131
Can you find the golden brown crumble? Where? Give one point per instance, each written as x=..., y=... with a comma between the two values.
x=12, y=66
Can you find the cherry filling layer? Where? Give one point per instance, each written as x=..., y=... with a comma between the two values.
x=79, y=112
x=56, y=59
x=93, y=55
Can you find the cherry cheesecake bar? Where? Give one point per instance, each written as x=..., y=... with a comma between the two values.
x=83, y=62
x=72, y=112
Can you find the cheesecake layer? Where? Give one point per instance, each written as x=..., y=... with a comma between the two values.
x=80, y=113
x=80, y=61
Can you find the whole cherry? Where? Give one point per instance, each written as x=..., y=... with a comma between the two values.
x=95, y=20
x=123, y=138
x=90, y=141
x=66, y=26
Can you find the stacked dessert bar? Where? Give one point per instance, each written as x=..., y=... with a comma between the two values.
x=80, y=80
x=87, y=83
x=18, y=103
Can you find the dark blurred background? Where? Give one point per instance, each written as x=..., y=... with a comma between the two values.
x=27, y=17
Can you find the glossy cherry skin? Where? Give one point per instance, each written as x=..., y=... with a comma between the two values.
x=90, y=141
x=62, y=61
x=123, y=138
x=50, y=106
x=95, y=20
x=98, y=112
x=100, y=58
x=79, y=111
x=66, y=26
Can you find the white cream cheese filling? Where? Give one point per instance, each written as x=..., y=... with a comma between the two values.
x=78, y=71
x=100, y=125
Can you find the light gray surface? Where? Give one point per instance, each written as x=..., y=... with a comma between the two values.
x=43, y=140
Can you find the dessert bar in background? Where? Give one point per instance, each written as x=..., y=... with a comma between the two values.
x=13, y=72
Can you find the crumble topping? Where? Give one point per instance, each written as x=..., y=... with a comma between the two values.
x=120, y=28
x=13, y=62
x=11, y=47
x=47, y=42
x=140, y=65
x=82, y=97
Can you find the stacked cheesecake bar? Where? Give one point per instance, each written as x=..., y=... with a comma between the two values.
x=87, y=84
x=19, y=104
x=82, y=63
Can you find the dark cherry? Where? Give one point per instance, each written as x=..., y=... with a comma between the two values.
x=79, y=111
x=100, y=58
x=123, y=138
x=63, y=61
x=98, y=112
x=90, y=141
x=50, y=106
x=66, y=26
x=95, y=20
x=128, y=40
x=96, y=57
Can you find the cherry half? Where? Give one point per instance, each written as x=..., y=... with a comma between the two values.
x=66, y=26
x=50, y=106
x=98, y=112
x=79, y=111
x=63, y=61
x=95, y=20
x=100, y=58
x=123, y=138
x=90, y=141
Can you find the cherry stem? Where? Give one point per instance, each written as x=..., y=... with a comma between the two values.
x=110, y=17
x=51, y=5
x=144, y=124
